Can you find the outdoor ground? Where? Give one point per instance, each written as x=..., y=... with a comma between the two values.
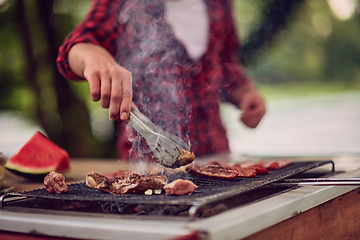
x=322, y=125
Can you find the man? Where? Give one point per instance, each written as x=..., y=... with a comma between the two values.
x=174, y=59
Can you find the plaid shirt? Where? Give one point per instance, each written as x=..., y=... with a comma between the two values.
x=176, y=92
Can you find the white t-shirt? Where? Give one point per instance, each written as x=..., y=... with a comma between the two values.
x=189, y=21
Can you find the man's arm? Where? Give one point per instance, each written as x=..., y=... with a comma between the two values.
x=251, y=102
x=88, y=53
x=108, y=81
x=238, y=88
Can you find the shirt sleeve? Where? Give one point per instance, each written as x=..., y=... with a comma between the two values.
x=100, y=27
x=233, y=72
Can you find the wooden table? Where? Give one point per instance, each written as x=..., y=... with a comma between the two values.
x=336, y=219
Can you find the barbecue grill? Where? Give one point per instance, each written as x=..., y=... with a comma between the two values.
x=219, y=209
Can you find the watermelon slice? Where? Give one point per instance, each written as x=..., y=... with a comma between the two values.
x=38, y=157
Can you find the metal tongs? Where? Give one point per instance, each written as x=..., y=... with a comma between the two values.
x=165, y=146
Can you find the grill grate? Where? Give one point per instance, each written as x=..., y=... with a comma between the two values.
x=209, y=190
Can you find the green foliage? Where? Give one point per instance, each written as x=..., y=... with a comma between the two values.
x=315, y=48
x=10, y=59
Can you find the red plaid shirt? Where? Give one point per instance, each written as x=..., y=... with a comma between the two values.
x=176, y=92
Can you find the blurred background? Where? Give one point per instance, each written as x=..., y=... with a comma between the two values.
x=303, y=54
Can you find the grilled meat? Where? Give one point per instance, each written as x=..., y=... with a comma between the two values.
x=118, y=174
x=248, y=164
x=263, y=166
x=245, y=172
x=185, y=157
x=180, y=187
x=273, y=165
x=93, y=179
x=222, y=171
x=259, y=169
x=219, y=163
x=213, y=171
x=55, y=183
x=133, y=184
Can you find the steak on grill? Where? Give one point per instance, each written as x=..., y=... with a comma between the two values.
x=213, y=171
x=243, y=171
x=185, y=157
x=274, y=165
x=133, y=183
x=55, y=183
x=180, y=187
x=259, y=169
x=94, y=179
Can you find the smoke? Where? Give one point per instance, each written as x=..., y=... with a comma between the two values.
x=149, y=50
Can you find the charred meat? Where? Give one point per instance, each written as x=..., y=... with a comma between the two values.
x=118, y=174
x=222, y=171
x=274, y=165
x=213, y=171
x=94, y=179
x=261, y=170
x=55, y=183
x=180, y=187
x=245, y=172
x=133, y=184
x=185, y=157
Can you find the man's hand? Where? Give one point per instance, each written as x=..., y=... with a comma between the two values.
x=252, y=104
x=108, y=81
